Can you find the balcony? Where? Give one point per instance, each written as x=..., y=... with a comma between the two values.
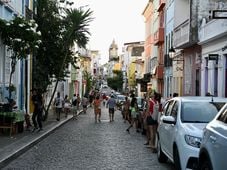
x=181, y=35
x=161, y=5
x=209, y=31
x=159, y=71
x=159, y=36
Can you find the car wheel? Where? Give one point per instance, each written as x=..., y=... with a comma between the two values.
x=205, y=164
x=176, y=159
x=162, y=158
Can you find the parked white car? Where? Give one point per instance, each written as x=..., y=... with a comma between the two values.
x=181, y=128
x=213, y=150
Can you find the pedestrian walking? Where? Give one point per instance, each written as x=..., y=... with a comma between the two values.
x=58, y=103
x=125, y=111
x=111, y=104
x=91, y=97
x=74, y=106
x=78, y=100
x=84, y=104
x=134, y=115
x=97, y=108
x=67, y=105
x=37, y=100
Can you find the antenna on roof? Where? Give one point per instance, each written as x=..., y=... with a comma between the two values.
x=209, y=94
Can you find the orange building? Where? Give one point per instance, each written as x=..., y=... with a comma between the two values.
x=154, y=44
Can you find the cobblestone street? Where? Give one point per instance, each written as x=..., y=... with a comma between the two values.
x=84, y=144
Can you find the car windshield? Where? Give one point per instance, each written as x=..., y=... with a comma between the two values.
x=121, y=97
x=200, y=112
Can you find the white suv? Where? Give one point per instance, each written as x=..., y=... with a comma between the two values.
x=181, y=127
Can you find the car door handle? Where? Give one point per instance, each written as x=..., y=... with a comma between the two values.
x=213, y=139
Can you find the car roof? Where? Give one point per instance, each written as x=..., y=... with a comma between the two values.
x=120, y=95
x=200, y=98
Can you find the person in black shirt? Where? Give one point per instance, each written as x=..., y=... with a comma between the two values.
x=37, y=114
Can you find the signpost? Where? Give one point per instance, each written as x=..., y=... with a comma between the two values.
x=219, y=14
x=213, y=57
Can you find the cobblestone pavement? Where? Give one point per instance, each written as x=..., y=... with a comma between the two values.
x=84, y=144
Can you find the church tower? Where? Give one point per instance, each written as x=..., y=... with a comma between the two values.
x=113, y=52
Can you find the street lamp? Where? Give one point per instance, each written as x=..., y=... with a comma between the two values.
x=171, y=52
x=172, y=55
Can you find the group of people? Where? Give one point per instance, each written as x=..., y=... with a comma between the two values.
x=65, y=105
x=145, y=118
x=110, y=104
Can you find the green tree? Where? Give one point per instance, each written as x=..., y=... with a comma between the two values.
x=55, y=54
x=20, y=36
x=88, y=78
x=116, y=82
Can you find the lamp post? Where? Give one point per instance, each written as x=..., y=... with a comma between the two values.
x=172, y=52
x=177, y=69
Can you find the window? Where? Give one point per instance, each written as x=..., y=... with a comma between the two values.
x=223, y=116
x=175, y=110
x=200, y=112
x=168, y=108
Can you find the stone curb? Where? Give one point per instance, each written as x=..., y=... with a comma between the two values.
x=27, y=142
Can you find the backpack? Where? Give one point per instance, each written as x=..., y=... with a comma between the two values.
x=74, y=102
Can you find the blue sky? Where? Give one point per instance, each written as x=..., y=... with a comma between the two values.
x=121, y=20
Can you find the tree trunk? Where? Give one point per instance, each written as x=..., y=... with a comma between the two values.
x=46, y=110
x=10, y=79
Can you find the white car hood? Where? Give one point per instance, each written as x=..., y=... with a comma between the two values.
x=194, y=129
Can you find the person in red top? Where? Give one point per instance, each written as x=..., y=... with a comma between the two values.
x=152, y=120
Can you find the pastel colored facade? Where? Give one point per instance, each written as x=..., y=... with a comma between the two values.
x=154, y=43
x=134, y=65
x=212, y=38
x=186, y=79
x=149, y=41
x=168, y=64
x=158, y=51
x=76, y=81
x=22, y=76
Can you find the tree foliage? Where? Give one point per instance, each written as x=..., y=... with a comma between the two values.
x=116, y=82
x=55, y=54
x=20, y=36
x=88, y=78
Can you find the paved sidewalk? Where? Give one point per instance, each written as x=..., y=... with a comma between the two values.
x=11, y=147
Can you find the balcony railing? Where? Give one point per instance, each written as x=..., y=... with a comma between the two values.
x=159, y=36
x=209, y=30
x=181, y=35
x=161, y=5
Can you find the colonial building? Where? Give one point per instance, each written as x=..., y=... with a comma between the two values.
x=213, y=39
x=21, y=78
x=133, y=64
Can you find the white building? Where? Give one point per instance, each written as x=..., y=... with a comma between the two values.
x=213, y=39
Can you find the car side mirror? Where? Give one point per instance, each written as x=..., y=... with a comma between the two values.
x=169, y=120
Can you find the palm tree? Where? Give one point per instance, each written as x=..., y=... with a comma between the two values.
x=75, y=24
